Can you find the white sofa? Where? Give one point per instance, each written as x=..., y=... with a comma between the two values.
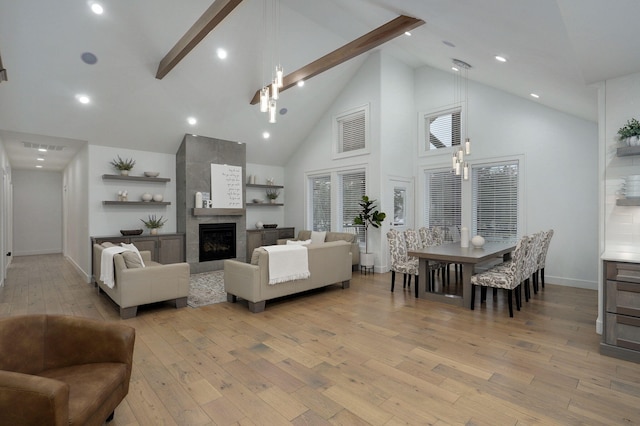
x=140, y=286
x=329, y=263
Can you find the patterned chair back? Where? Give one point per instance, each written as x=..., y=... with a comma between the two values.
x=545, y=247
x=397, y=248
x=412, y=240
x=426, y=237
x=534, y=247
x=438, y=235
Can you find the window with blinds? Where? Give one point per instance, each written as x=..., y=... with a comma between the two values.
x=351, y=132
x=443, y=201
x=353, y=187
x=320, y=190
x=444, y=130
x=495, y=201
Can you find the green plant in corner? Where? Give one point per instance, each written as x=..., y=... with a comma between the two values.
x=368, y=216
x=632, y=128
x=272, y=193
x=153, y=222
x=121, y=164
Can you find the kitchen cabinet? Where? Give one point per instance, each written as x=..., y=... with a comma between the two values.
x=266, y=237
x=621, y=326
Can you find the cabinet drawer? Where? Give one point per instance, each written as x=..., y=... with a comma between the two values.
x=623, y=298
x=623, y=331
x=621, y=271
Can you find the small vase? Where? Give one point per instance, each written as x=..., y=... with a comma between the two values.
x=272, y=201
x=124, y=172
x=153, y=231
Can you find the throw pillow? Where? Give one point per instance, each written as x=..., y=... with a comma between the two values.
x=134, y=249
x=107, y=244
x=298, y=243
x=132, y=260
x=318, y=237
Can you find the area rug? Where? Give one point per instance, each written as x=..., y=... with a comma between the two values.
x=206, y=288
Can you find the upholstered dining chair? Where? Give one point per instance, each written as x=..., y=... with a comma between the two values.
x=400, y=261
x=428, y=238
x=542, y=258
x=531, y=263
x=508, y=276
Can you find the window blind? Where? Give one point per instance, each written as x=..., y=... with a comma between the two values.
x=443, y=201
x=444, y=130
x=320, y=202
x=495, y=201
x=352, y=132
x=353, y=186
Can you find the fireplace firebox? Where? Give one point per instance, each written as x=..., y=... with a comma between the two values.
x=217, y=241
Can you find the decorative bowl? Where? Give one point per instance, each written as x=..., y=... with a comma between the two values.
x=256, y=200
x=151, y=174
x=158, y=197
x=270, y=225
x=477, y=241
x=127, y=232
x=146, y=197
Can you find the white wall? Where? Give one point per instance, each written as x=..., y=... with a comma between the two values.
x=6, y=223
x=75, y=196
x=559, y=158
x=37, y=212
x=109, y=220
x=261, y=213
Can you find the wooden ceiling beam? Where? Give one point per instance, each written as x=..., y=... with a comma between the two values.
x=203, y=26
x=371, y=40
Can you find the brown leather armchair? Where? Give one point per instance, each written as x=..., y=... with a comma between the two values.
x=62, y=370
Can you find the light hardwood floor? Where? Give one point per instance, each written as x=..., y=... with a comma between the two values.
x=352, y=357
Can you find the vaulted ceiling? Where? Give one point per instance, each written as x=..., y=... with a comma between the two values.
x=556, y=48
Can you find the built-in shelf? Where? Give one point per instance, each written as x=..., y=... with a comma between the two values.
x=255, y=185
x=217, y=212
x=265, y=204
x=136, y=178
x=136, y=203
x=628, y=202
x=628, y=150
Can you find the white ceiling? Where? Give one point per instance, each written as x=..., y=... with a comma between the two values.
x=556, y=48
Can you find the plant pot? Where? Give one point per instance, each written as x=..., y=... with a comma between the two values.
x=153, y=231
x=124, y=172
x=367, y=259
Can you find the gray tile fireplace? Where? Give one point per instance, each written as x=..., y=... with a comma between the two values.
x=193, y=174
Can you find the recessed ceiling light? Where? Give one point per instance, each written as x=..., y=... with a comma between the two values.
x=40, y=159
x=97, y=8
x=535, y=95
x=83, y=99
x=500, y=58
x=265, y=135
x=448, y=43
x=455, y=69
x=222, y=54
x=300, y=83
x=191, y=120
x=39, y=166
x=407, y=33
x=89, y=58
x=42, y=149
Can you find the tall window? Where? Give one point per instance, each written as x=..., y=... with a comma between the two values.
x=495, y=201
x=320, y=190
x=399, y=206
x=353, y=188
x=443, y=201
x=444, y=130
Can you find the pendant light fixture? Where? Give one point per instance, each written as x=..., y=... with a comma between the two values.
x=271, y=93
x=462, y=78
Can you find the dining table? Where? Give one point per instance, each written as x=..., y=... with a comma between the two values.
x=454, y=253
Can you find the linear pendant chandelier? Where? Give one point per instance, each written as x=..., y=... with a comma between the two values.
x=269, y=94
x=462, y=82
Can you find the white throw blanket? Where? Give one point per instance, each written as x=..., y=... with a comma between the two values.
x=287, y=263
x=106, y=264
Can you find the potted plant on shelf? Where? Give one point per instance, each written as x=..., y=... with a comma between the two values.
x=368, y=216
x=154, y=223
x=272, y=194
x=123, y=165
x=630, y=133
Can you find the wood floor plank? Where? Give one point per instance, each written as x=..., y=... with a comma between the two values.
x=357, y=356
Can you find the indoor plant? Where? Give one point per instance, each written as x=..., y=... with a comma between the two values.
x=369, y=215
x=154, y=223
x=630, y=132
x=272, y=194
x=123, y=165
